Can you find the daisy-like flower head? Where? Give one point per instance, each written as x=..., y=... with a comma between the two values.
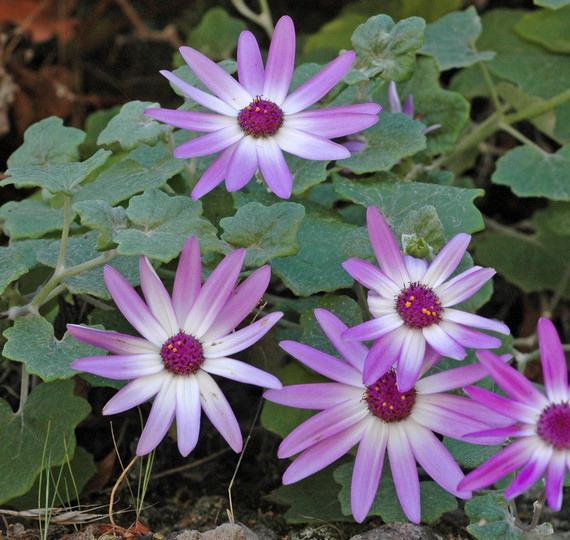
x=408, y=108
x=379, y=417
x=542, y=422
x=185, y=340
x=256, y=120
x=411, y=304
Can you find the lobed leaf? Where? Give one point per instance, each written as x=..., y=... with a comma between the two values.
x=30, y=218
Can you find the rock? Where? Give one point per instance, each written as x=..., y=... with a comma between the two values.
x=226, y=531
x=398, y=531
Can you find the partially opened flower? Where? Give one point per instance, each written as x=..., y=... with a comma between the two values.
x=186, y=340
x=411, y=304
x=542, y=422
x=408, y=108
x=256, y=120
x=380, y=418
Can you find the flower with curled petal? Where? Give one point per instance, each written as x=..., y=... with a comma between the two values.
x=380, y=418
x=542, y=422
x=408, y=108
x=186, y=339
x=411, y=304
x=256, y=120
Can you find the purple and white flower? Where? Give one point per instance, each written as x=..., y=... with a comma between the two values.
x=185, y=340
x=256, y=120
x=380, y=418
x=542, y=422
x=411, y=304
x=408, y=108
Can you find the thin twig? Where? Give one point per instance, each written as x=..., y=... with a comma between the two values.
x=116, y=486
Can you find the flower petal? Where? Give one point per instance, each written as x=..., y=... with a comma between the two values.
x=394, y=98
x=470, y=319
x=553, y=362
x=374, y=328
x=371, y=277
x=241, y=372
x=135, y=393
x=531, y=472
x=416, y=268
x=319, y=85
x=314, y=396
x=368, y=468
x=451, y=379
x=216, y=79
x=218, y=410
x=463, y=286
x=408, y=107
x=309, y=146
x=411, y=357
x=159, y=420
x=214, y=294
x=133, y=308
x=280, y=61
x=210, y=143
x=112, y=341
x=192, y=121
x=332, y=125
x=469, y=338
x=555, y=479
x=242, y=164
x=214, y=174
x=188, y=412
x=187, y=281
x=157, y=297
x=274, y=167
x=383, y=354
x=120, y=367
x=443, y=343
x=358, y=108
x=250, y=64
x=386, y=249
x=447, y=260
x=199, y=96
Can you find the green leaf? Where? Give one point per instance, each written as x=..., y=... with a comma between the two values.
x=392, y=138
x=552, y=4
x=548, y=28
x=144, y=168
x=12, y=266
x=451, y=40
x=81, y=249
x=30, y=218
x=217, y=34
x=430, y=11
x=47, y=143
x=101, y=216
x=265, y=232
x=387, y=50
x=434, y=500
x=532, y=172
x=470, y=455
x=491, y=519
x=437, y=106
x=62, y=177
x=454, y=206
x=420, y=231
x=164, y=223
x=32, y=342
x=95, y=123
x=305, y=173
x=317, y=266
x=131, y=127
x=49, y=419
x=29, y=249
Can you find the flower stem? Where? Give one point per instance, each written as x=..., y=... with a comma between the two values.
x=24, y=389
x=263, y=19
x=537, y=509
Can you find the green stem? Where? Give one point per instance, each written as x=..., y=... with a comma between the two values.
x=24, y=389
x=263, y=19
x=538, y=109
x=64, y=234
x=518, y=135
x=490, y=86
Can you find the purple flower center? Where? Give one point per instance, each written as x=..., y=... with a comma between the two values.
x=386, y=402
x=553, y=426
x=419, y=306
x=261, y=118
x=182, y=354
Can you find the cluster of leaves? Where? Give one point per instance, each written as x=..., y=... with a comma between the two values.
x=113, y=192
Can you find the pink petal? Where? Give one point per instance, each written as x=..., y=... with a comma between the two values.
x=135, y=393
x=383, y=354
x=443, y=343
x=371, y=277
x=411, y=357
x=368, y=468
x=394, y=98
x=404, y=472
x=241, y=372
x=464, y=285
x=416, y=268
x=451, y=379
x=323, y=363
x=159, y=420
x=240, y=304
x=216, y=79
x=555, y=479
x=447, y=260
x=157, y=298
x=309, y=146
x=188, y=412
x=192, y=121
x=353, y=352
x=133, y=308
x=319, y=85
x=250, y=64
x=359, y=108
x=213, y=295
x=386, y=249
x=199, y=96
x=408, y=107
x=188, y=280
x=374, y=328
x=242, y=164
x=314, y=396
x=553, y=360
x=469, y=319
x=214, y=174
x=120, y=367
x=280, y=61
x=210, y=143
x=218, y=410
x=514, y=383
x=274, y=167
x=469, y=338
x=531, y=472
x=112, y=341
